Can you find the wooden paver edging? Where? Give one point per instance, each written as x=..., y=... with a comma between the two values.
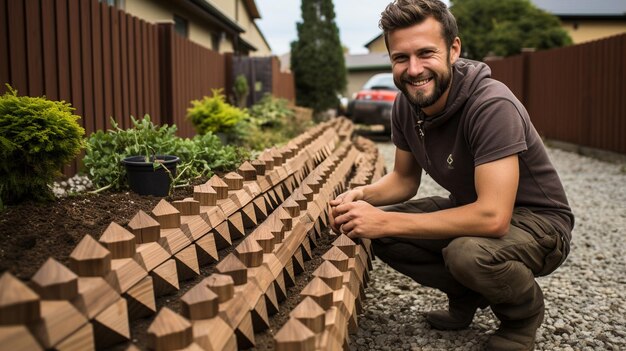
x=277, y=205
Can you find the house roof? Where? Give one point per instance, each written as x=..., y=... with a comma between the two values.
x=252, y=9
x=583, y=8
x=373, y=40
x=363, y=62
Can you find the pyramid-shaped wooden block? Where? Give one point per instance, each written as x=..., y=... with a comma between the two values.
x=200, y=302
x=346, y=245
x=337, y=257
x=247, y=171
x=205, y=195
x=187, y=207
x=18, y=303
x=59, y=319
x=259, y=166
x=18, y=337
x=231, y=265
x=145, y=228
x=119, y=241
x=165, y=278
x=330, y=274
x=234, y=181
x=222, y=285
x=169, y=331
x=90, y=258
x=111, y=326
x=141, y=299
x=294, y=336
x=310, y=314
x=220, y=187
x=319, y=292
x=166, y=214
x=54, y=281
x=250, y=252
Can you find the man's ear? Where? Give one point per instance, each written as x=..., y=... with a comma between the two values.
x=455, y=50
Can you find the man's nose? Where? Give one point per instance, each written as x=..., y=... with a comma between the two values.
x=415, y=66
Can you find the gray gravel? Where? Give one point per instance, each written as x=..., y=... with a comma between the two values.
x=585, y=298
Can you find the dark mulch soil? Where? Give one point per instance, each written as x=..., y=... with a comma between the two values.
x=32, y=232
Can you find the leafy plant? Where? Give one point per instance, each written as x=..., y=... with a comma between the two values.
x=199, y=156
x=214, y=114
x=271, y=112
x=37, y=137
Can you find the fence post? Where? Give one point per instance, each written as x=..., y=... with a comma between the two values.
x=166, y=71
x=526, y=53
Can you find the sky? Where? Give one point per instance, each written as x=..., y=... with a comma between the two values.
x=357, y=21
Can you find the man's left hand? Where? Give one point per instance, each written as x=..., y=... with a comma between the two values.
x=359, y=219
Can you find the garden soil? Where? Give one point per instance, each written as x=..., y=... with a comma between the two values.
x=32, y=232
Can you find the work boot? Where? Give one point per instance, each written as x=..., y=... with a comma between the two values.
x=518, y=324
x=460, y=312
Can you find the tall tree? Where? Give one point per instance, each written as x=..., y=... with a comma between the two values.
x=317, y=59
x=505, y=27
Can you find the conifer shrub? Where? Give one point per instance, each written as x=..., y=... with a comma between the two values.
x=37, y=137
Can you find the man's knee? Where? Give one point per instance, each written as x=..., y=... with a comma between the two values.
x=465, y=258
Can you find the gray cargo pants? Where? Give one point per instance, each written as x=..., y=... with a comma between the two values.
x=500, y=269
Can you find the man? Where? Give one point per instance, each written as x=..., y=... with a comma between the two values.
x=507, y=218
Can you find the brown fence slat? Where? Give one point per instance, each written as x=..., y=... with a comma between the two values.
x=63, y=48
x=74, y=21
x=34, y=47
x=86, y=30
x=124, y=62
x=132, y=76
x=5, y=63
x=107, y=75
x=49, y=55
x=96, y=49
x=17, y=48
x=116, y=64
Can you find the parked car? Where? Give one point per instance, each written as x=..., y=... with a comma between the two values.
x=372, y=104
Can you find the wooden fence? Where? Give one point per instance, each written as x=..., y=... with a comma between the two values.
x=107, y=64
x=575, y=94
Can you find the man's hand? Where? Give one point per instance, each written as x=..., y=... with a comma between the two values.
x=358, y=219
x=343, y=198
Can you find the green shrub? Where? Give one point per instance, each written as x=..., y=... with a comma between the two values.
x=199, y=156
x=241, y=90
x=37, y=137
x=214, y=114
x=271, y=112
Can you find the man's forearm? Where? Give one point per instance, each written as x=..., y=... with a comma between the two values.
x=390, y=189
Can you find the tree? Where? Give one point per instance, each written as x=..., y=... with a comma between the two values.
x=317, y=59
x=505, y=27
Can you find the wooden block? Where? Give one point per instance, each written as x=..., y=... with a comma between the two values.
x=260, y=208
x=205, y=195
x=145, y=228
x=346, y=245
x=247, y=171
x=254, y=298
x=276, y=269
x=187, y=263
x=294, y=336
x=310, y=314
x=111, y=326
x=222, y=285
x=271, y=194
x=220, y=187
x=125, y=272
x=264, y=238
x=151, y=255
x=194, y=227
x=234, y=181
x=249, y=216
x=330, y=274
x=319, y=292
x=59, y=319
x=337, y=257
x=207, y=249
x=268, y=159
x=259, y=167
x=345, y=302
x=187, y=207
x=213, y=215
x=80, y=340
x=165, y=278
x=235, y=226
x=289, y=274
x=336, y=326
x=245, y=333
x=94, y=295
x=221, y=233
x=90, y=258
x=292, y=207
x=54, y=281
x=250, y=252
x=277, y=156
x=214, y=334
x=17, y=338
x=166, y=214
x=286, y=218
x=306, y=249
x=199, y=302
x=307, y=192
x=298, y=261
x=141, y=299
x=174, y=240
x=263, y=278
x=119, y=241
x=169, y=331
x=231, y=265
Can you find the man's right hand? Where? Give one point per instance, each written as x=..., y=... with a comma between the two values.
x=352, y=195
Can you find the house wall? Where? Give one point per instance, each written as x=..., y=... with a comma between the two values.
x=583, y=31
x=236, y=10
x=378, y=45
x=161, y=11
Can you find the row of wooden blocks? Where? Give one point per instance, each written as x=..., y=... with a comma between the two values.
x=122, y=273
x=251, y=281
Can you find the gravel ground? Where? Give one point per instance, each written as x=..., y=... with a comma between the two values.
x=585, y=297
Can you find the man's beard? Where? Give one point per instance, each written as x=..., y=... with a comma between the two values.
x=442, y=82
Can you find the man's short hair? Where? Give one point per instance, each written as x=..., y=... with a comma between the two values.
x=405, y=13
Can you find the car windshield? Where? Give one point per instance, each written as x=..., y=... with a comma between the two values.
x=380, y=81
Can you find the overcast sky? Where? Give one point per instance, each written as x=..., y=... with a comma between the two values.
x=357, y=21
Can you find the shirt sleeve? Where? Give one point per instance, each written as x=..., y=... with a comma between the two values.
x=496, y=130
x=398, y=119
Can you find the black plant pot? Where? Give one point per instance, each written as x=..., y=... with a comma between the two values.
x=144, y=179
